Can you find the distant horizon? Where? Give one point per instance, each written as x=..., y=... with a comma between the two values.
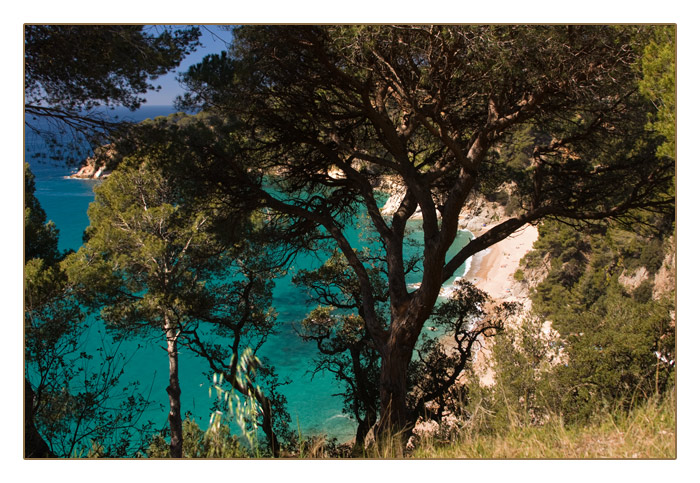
x=212, y=43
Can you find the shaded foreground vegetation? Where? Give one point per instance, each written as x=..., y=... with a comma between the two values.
x=646, y=432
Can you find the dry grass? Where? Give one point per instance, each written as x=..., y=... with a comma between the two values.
x=647, y=432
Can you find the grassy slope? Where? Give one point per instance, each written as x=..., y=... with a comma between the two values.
x=648, y=431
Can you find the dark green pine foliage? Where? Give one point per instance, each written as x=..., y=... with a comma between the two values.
x=40, y=249
x=77, y=67
x=40, y=236
x=333, y=111
x=613, y=343
x=70, y=70
x=659, y=85
x=239, y=313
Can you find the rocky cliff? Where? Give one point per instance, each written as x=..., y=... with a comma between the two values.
x=97, y=166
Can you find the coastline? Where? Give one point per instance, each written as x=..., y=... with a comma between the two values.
x=492, y=271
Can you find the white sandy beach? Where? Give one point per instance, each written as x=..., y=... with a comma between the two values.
x=492, y=272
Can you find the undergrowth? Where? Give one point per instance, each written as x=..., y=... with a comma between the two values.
x=645, y=432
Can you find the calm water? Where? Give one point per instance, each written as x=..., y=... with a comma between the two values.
x=311, y=401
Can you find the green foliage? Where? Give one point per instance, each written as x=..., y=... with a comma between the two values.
x=583, y=262
x=149, y=255
x=639, y=251
x=200, y=444
x=523, y=360
x=643, y=293
x=79, y=405
x=519, y=275
x=553, y=112
x=616, y=347
x=623, y=352
x=507, y=166
x=154, y=258
x=71, y=70
x=75, y=67
x=620, y=357
x=652, y=255
x=659, y=85
x=40, y=236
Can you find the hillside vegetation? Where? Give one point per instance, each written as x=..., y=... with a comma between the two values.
x=590, y=370
x=648, y=431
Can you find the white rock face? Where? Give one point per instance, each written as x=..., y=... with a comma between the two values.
x=94, y=167
x=633, y=280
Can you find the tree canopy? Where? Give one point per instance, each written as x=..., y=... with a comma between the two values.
x=70, y=70
x=153, y=260
x=659, y=85
x=40, y=235
x=427, y=107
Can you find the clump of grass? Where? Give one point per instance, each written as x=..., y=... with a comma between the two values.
x=646, y=432
x=387, y=447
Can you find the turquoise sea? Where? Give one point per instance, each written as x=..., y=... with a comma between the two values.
x=311, y=401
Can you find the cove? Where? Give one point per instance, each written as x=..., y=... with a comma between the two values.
x=312, y=402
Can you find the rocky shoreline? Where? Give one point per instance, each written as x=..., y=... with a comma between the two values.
x=90, y=172
x=96, y=166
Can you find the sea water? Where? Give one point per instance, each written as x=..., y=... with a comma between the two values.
x=312, y=400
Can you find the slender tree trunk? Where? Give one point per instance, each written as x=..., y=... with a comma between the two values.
x=174, y=417
x=267, y=426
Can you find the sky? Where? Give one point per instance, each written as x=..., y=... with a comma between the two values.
x=214, y=39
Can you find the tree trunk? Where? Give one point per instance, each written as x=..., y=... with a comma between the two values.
x=267, y=426
x=407, y=320
x=393, y=389
x=174, y=417
x=34, y=444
